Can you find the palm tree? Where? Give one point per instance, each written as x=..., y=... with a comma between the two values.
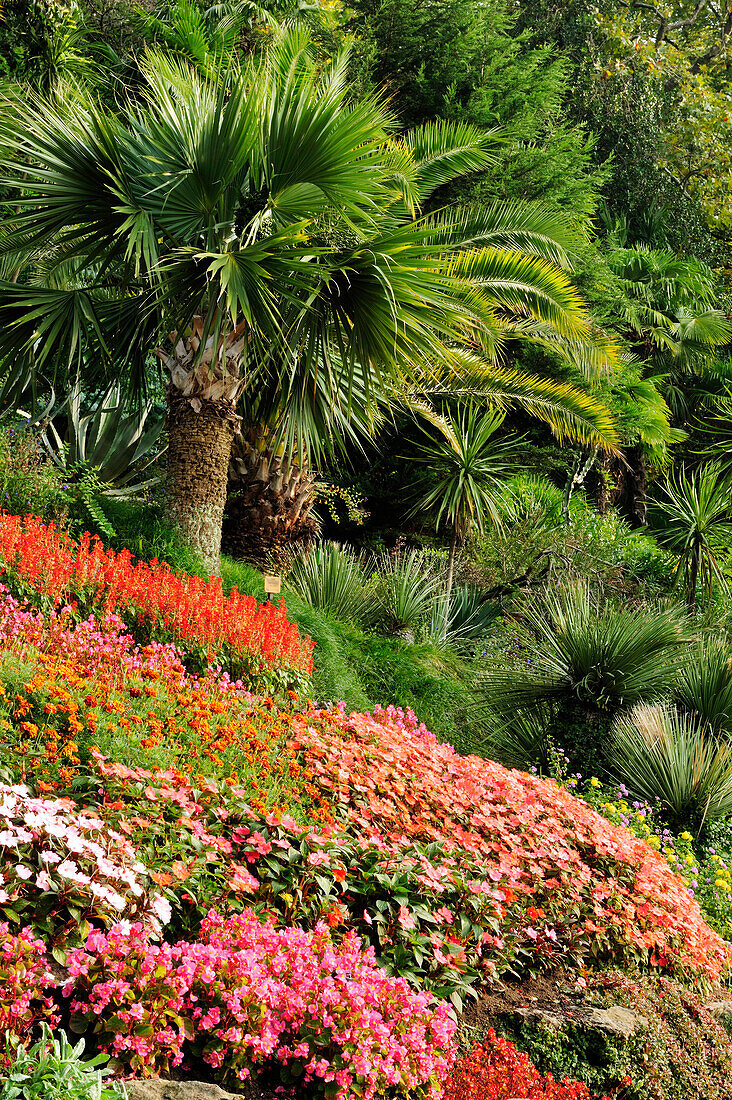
x=258, y=225
x=693, y=516
x=464, y=471
x=292, y=421
x=666, y=310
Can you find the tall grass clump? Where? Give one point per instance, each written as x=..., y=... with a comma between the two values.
x=332, y=578
x=661, y=754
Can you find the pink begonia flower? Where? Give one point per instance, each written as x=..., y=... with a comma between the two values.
x=255, y=993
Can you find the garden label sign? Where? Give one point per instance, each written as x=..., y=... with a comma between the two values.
x=272, y=585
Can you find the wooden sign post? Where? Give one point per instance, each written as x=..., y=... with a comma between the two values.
x=272, y=585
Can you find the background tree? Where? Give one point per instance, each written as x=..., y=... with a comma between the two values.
x=693, y=519
x=463, y=474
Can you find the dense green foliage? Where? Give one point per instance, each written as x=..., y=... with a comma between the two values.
x=444, y=291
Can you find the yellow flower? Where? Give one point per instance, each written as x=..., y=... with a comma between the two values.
x=594, y=782
x=686, y=836
x=719, y=882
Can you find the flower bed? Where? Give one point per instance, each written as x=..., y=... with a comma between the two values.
x=248, y=996
x=24, y=983
x=575, y=884
x=194, y=613
x=341, y=849
x=86, y=688
x=61, y=868
x=496, y=1070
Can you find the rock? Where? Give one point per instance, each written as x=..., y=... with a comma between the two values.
x=156, y=1089
x=616, y=1020
x=719, y=1008
x=553, y=1020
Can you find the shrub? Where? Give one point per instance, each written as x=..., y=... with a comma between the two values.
x=534, y=539
x=29, y=481
x=157, y=603
x=588, y=660
x=496, y=1070
x=662, y=754
x=54, y=1070
x=522, y=740
x=248, y=997
x=24, y=984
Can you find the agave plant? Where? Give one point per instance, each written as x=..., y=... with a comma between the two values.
x=116, y=440
x=332, y=578
x=661, y=754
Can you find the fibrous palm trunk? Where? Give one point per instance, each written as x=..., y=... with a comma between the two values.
x=269, y=508
x=204, y=388
x=633, y=501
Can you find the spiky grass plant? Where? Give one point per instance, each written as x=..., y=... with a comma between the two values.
x=662, y=754
x=332, y=578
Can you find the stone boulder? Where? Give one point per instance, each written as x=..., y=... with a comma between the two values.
x=156, y=1089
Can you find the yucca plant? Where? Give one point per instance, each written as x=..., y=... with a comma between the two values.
x=521, y=740
x=462, y=479
x=693, y=516
x=468, y=616
x=662, y=754
x=703, y=688
x=589, y=660
x=332, y=578
x=407, y=588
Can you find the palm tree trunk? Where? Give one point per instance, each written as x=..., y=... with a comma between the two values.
x=269, y=508
x=693, y=577
x=634, y=499
x=205, y=386
x=198, y=461
x=450, y=574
